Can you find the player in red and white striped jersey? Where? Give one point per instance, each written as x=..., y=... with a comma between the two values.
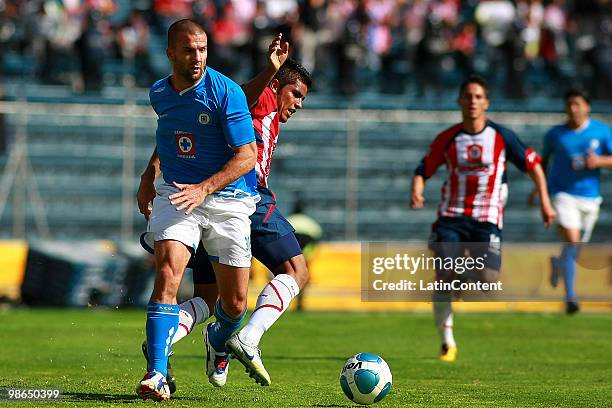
x=476, y=164
x=266, y=121
x=276, y=94
x=475, y=153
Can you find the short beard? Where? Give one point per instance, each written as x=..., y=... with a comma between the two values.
x=189, y=77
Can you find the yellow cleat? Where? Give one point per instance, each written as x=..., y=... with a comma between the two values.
x=448, y=354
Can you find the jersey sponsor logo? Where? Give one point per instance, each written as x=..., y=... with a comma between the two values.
x=474, y=153
x=185, y=144
x=160, y=89
x=578, y=163
x=204, y=118
x=475, y=169
x=594, y=144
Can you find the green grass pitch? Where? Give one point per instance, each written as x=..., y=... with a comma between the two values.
x=505, y=360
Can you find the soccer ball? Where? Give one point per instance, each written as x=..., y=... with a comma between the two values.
x=365, y=378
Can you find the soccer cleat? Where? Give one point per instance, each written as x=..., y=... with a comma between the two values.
x=170, y=378
x=572, y=308
x=250, y=357
x=448, y=354
x=217, y=364
x=154, y=386
x=555, y=271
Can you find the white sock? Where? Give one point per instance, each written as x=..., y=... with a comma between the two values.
x=443, y=316
x=273, y=300
x=192, y=312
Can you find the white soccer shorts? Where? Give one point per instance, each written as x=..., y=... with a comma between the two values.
x=574, y=212
x=221, y=223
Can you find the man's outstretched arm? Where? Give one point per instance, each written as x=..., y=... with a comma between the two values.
x=278, y=51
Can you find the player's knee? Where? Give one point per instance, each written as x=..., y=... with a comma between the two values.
x=165, y=276
x=301, y=275
x=297, y=268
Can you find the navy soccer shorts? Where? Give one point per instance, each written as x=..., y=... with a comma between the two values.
x=273, y=240
x=461, y=236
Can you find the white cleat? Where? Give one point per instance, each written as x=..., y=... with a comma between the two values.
x=250, y=357
x=217, y=364
x=154, y=386
x=169, y=375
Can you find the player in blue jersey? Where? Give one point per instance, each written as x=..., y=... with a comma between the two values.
x=576, y=151
x=207, y=154
x=273, y=95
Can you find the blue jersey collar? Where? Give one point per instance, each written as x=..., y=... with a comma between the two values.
x=581, y=128
x=192, y=87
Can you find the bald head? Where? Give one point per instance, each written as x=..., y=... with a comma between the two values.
x=186, y=26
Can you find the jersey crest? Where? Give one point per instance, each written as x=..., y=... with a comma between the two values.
x=185, y=143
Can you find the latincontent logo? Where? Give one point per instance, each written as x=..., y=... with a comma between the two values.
x=474, y=271
x=442, y=266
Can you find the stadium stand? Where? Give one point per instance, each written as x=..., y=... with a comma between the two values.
x=351, y=166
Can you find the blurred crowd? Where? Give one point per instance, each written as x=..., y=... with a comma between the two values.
x=523, y=47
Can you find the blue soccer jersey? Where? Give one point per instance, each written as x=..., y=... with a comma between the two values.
x=198, y=127
x=569, y=148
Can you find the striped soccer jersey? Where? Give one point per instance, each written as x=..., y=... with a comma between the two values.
x=476, y=166
x=266, y=123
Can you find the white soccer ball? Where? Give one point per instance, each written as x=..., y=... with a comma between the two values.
x=365, y=378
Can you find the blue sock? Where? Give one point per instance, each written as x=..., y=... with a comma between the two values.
x=162, y=323
x=223, y=328
x=568, y=263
